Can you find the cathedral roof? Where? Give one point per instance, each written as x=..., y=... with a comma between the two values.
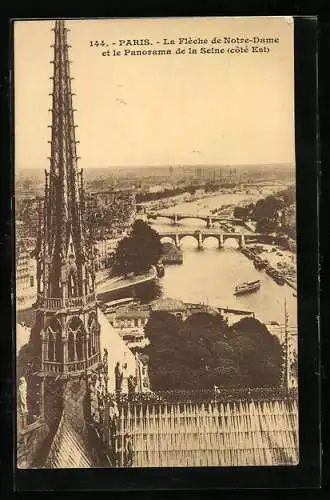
x=70, y=451
x=75, y=443
x=216, y=434
x=231, y=434
x=70, y=447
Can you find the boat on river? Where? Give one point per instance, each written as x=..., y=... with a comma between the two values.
x=247, y=287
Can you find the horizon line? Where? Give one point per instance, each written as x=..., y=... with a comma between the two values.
x=179, y=165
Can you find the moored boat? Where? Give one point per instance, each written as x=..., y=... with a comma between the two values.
x=259, y=263
x=247, y=252
x=247, y=287
x=276, y=275
x=278, y=278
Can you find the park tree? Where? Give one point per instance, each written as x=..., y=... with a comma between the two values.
x=267, y=208
x=266, y=226
x=267, y=214
x=241, y=212
x=211, y=187
x=162, y=327
x=260, y=354
x=147, y=246
x=138, y=251
x=203, y=351
x=124, y=257
x=289, y=195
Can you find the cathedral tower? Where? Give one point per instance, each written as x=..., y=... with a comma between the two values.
x=67, y=332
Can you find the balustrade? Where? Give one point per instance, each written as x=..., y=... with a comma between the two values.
x=71, y=366
x=54, y=304
x=219, y=394
x=52, y=367
x=75, y=366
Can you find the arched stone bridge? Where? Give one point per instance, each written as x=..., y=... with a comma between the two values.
x=209, y=219
x=200, y=236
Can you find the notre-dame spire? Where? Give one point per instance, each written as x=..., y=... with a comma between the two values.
x=67, y=328
x=69, y=271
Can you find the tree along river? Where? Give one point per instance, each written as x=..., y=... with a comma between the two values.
x=210, y=275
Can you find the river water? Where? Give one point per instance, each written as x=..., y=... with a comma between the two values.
x=203, y=206
x=210, y=275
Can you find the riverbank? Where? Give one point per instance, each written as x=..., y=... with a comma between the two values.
x=278, y=263
x=283, y=261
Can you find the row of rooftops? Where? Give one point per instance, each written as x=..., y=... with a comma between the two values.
x=167, y=304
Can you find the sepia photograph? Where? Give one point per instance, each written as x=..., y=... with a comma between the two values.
x=155, y=243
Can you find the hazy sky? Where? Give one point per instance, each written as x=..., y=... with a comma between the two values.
x=160, y=110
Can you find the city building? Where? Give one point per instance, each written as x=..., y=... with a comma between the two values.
x=28, y=217
x=110, y=214
x=129, y=322
x=172, y=306
x=130, y=317
x=26, y=288
x=105, y=250
x=22, y=269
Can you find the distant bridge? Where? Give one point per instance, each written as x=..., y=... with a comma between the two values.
x=209, y=219
x=201, y=235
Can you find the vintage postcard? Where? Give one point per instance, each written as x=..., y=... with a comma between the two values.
x=156, y=288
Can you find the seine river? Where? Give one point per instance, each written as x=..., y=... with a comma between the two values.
x=210, y=275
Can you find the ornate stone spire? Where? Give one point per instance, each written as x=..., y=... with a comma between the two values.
x=65, y=339
x=68, y=270
x=66, y=320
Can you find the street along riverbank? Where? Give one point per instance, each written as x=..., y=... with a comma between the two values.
x=129, y=286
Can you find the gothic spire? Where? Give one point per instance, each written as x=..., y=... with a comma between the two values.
x=69, y=273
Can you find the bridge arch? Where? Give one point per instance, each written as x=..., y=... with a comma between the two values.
x=210, y=240
x=232, y=242
x=167, y=238
x=186, y=238
x=224, y=239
